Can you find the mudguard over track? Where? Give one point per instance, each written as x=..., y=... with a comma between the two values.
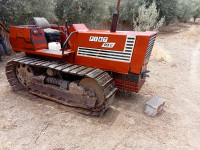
x=84, y=103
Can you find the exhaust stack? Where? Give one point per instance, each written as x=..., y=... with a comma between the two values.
x=115, y=18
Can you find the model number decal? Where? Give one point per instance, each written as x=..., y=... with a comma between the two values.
x=108, y=45
x=98, y=39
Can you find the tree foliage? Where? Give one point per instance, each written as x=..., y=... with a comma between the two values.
x=186, y=9
x=127, y=9
x=147, y=18
x=197, y=13
x=166, y=8
x=79, y=11
x=132, y=12
x=16, y=12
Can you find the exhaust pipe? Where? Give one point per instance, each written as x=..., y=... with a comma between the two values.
x=115, y=18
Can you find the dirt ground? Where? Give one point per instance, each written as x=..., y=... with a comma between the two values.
x=28, y=122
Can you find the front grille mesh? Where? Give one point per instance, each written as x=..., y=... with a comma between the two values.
x=123, y=56
x=151, y=43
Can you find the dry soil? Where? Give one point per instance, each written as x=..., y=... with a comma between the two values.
x=28, y=122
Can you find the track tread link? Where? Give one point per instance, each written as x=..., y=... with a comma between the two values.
x=102, y=77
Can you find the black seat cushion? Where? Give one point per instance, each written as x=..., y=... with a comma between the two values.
x=52, y=35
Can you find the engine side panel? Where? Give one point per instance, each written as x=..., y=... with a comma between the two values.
x=122, y=51
x=107, y=51
x=138, y=56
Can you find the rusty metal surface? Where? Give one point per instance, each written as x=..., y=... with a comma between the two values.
x=83, y=72
x=101, y=76
x=109, y=89
x=30, y=61
x=23, y=73
x=37, y=79
x=35, y=61
x=65, y=96
x=63, y=67
x=11, y=76
x=75, y=71
x=84, y=103
x=38, y=62
x=95, y=73
x=23, y=60
x=13, y=81
x=104, y=79
x=107, y=82
x=9, y=68
x=17, y=87
x=92, y=86
x=48, y=63
x=66, y=70
x=55, y=65
x=18, y=59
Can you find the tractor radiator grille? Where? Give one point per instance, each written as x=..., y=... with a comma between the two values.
x=123, y=56
x=151, y=43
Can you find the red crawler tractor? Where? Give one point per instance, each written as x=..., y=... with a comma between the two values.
x=76, y=66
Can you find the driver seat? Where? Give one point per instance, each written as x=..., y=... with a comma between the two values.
x=52, y=35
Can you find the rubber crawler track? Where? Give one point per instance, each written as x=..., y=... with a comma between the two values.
x=102, y=77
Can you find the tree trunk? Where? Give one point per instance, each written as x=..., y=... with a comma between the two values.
x=5, y=34
x=195, y=19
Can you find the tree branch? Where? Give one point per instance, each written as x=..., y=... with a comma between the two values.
x=4, y=27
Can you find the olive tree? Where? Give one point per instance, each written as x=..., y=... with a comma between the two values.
x=147, y=18
x=186, y=10
x=166, y=8
x=16, y=12
x=197, y=12
x=79, y=11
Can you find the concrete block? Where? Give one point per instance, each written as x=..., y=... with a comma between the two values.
x=154, y=106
